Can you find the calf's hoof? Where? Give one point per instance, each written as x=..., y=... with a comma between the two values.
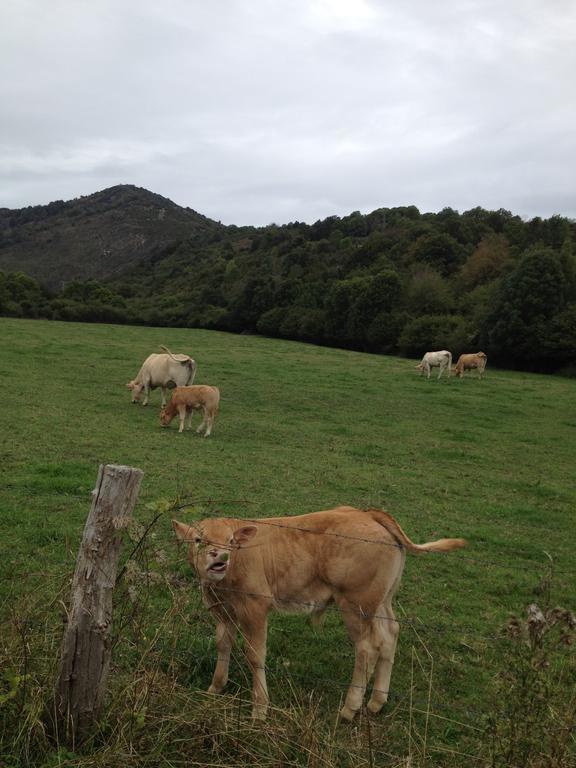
x=259, y=713
x=374, y=706
x=347, y=714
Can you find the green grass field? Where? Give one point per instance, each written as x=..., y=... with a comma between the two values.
x=301, y=428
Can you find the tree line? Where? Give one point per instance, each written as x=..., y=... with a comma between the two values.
x=394, y=281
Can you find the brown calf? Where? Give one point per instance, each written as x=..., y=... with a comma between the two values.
x=186, y=400
x=349, y=557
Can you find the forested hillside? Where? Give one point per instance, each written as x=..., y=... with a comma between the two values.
x=93, y=237
x=393, y=281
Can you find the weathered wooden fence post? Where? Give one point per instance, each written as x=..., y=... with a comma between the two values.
x=85, y=656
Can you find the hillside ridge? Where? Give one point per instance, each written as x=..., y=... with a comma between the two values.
x=95, y=236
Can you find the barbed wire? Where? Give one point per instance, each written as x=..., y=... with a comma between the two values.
x=309, y=607
x=410, y=622
x=528, y=566
x=393, y=697
x=404, y=701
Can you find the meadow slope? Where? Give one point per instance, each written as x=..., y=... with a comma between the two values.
x=301, y=428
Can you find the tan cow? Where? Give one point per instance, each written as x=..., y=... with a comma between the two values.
x=186, y=400
x=162, y=370
x=349, y=557
x=468, y=362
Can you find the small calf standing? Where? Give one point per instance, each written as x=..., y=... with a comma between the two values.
x=345, y=558
x=186, y=400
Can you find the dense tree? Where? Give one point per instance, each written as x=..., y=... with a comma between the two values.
x=429, y=293
x=22, y=296
x=518, y=329
x=439, y=251
x=490, y=259
x=431, y=332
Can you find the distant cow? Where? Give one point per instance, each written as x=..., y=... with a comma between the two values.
x=468, y=362
x=186, y=400
x=162, y=370
x=441, y=359
x=347, y=557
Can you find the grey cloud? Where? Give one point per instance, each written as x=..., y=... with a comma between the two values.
x=252, y=111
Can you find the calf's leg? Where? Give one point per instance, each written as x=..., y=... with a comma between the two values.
x=209, y=418
x=254, y=628
x=366, y=650
x=182, y=417
x=202, y=424
x=225, y=636
x=387, y=630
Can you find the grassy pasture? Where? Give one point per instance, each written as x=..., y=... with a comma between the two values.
x=301, y=428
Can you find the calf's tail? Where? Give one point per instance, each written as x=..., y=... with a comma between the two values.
x=394, y=529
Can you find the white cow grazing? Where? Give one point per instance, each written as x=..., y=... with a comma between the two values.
x=162, y=370
x=441, y=359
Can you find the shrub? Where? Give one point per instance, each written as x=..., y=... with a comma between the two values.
x=534, y=715
x=432, y=332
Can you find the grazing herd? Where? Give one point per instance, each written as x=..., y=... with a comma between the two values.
x=443, y=361
x=176, y=372
x=346, y=558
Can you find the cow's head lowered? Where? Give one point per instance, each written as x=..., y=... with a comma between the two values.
x=212, y=545
x=137, y=390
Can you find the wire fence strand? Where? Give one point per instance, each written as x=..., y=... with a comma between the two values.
x=508, y=564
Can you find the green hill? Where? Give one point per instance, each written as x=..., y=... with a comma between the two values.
x=95, y=237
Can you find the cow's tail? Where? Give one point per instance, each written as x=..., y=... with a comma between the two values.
x=169, y=353
x=449, y=362
x=188, y=362
x=388, y=522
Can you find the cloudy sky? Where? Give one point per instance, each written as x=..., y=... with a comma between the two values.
x=260, y=111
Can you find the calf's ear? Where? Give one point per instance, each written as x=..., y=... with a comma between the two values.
x=243, y=535
x=184, y=532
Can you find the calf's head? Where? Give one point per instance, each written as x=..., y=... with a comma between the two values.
x=212, y=545
x=166, y=416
